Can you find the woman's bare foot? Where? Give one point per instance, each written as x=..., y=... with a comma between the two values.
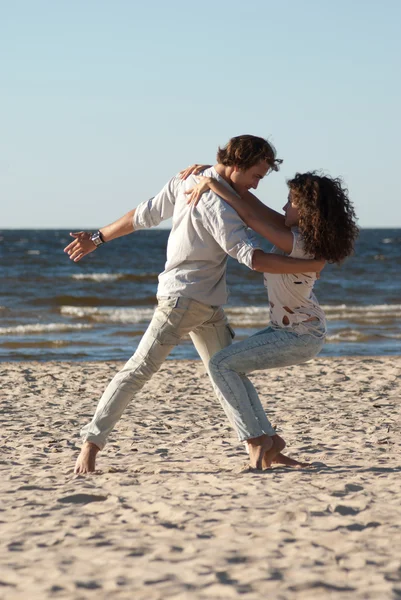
x=87, y=458
x=282, y=459
x=271, y=453
x=257, y=449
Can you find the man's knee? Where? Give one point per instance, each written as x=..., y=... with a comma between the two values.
x=142, y=368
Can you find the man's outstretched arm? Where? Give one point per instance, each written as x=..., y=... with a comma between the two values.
x=83, y=245
x=148, y=214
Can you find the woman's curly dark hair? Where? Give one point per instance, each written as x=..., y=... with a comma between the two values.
x=327, y=220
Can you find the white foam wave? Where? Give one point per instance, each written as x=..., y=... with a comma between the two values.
x=350, y=335
x=99, y=277
x=109, y=315
x=373, y=314
x=247, y=316
x=353, y=335
x=42, y=328
x=377, y=308
x=239, y=316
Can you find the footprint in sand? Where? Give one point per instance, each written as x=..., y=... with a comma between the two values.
x=82, y=499
x=361, y=527
x=349, y=488
x=88, y=585
x=346, y=510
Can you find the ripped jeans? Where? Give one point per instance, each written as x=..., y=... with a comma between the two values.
x=173, y=319
x=268, y=349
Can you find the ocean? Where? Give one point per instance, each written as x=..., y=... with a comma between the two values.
x=98, y=309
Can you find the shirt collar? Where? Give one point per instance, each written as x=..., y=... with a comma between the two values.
x=219, y=178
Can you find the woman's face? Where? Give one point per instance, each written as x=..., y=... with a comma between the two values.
x=291, y=212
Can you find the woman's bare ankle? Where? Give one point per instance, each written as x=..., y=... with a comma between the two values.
x=257, y=447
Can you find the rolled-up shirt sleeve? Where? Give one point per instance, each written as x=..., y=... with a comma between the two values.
x=157, y=209
x=232, y=235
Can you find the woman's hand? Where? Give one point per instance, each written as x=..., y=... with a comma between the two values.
x=81, y=246
x=193, y=170
x=200, y=188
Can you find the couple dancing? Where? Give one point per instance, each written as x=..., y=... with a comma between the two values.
x=318, y=225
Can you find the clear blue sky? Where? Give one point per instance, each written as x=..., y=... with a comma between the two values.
x=103, y=101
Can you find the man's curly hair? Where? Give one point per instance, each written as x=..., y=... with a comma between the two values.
x=327, y=220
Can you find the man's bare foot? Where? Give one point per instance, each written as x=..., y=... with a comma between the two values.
x=87, y=459
x=282, y=459
x=257, y=449
x=271, y=453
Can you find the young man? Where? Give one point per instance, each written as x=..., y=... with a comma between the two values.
x=192, y=288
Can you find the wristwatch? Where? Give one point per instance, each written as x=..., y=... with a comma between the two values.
x=97, y=238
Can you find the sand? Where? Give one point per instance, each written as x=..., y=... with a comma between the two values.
x=173, y=511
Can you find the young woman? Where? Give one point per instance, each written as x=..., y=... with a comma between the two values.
x=319, y=222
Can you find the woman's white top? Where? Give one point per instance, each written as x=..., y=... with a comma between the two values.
x=292, y=301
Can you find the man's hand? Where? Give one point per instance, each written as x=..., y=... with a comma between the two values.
x=81, y=246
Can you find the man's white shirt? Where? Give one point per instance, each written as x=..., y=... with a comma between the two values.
x=200, y=240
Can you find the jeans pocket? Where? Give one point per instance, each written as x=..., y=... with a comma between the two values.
x=167, y=302
x=166, y=323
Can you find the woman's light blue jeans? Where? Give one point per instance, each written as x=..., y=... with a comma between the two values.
x=268, y=349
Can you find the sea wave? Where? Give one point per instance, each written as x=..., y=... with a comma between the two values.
x=391, y=240
x=109, y=315
x=97, y=276
x=377, y=308
x=102, y=277
x=355, y=335
x=240, y=316
x=379, y=314
x=248, y=316
x=43, y=328
x=253, y=316
x=38, y=344
x=91, y=301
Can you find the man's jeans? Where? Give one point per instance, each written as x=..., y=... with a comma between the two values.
x=173, y=318
x=267, y=349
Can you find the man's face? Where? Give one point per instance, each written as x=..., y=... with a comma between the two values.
x=291, y=212
x=250, y=178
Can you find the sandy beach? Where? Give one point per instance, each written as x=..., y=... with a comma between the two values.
x=174, y=512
